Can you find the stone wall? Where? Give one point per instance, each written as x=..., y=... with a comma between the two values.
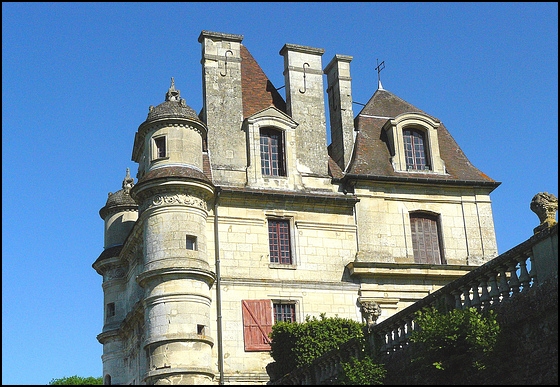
x=527, y=348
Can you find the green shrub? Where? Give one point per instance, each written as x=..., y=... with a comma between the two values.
x=298, y=344
x=362, y=371
x=453, y=344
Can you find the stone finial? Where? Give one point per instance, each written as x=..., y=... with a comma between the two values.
x=173, y=94
x=370, y=313
x=545, y=206
x=128, y=182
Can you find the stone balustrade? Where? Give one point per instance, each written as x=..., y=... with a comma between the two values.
x=489, y=284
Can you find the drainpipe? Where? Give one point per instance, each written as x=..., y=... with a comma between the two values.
x=218, y=289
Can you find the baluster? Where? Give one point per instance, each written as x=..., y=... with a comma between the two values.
x=408, y=328
x=402, y=336
x=476, y=297
x=466, y=296
x=457, y=295
x=384, y=342
x=513, y=279
x=503, y=286
x=494, y=291
x=484, y=297
x=533, y=272
x=524, y=278
x=395, y=337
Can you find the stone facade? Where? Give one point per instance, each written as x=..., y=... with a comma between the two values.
x=212, y=244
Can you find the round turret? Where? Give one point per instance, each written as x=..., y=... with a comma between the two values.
x=119, y=213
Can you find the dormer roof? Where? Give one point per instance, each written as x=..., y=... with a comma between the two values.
x=371, y=158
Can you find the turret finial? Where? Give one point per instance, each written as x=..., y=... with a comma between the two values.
x=173, y=94
x=128, y=182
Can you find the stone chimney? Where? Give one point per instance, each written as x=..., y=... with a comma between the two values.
x=223, y=106
x=305, y=103
x=339, y=90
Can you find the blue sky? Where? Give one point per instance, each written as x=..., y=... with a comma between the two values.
x=78, y=78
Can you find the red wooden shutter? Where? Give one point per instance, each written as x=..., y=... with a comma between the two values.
x=257, y=324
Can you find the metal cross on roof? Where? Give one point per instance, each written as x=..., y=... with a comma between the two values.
x=379, y=68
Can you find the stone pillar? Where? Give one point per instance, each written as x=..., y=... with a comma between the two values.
x=223, y=106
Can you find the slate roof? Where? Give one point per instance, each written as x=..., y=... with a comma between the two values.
x=371, y=157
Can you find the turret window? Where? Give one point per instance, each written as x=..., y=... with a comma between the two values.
x=191, y=242
x=160, y=147
x=110, y=310
x=415, y=150
x=272, y=152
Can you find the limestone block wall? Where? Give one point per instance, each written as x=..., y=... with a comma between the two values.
x=466, y=224
x=324, y=241
x=183, y=146
x=117, y=227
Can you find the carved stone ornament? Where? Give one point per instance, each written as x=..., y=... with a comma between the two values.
x=161, y=200
x=545, y=206
x=370, y=313
x=115, y=273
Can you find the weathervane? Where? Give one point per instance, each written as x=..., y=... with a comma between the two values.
x=379, y=68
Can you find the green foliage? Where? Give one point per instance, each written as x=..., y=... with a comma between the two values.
x=454, y=343
x=298, y=344
x=77, y=380
x=362, y=371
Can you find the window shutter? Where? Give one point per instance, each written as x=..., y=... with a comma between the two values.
x=425, y=240
x=257, y=324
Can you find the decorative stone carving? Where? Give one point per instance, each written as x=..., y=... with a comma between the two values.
x=114, y=273
x=370, y=313
x=170, y=199
x=545, y=206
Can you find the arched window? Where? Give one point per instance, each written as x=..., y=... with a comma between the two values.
x=272, y=152
x=107, y=380
x=415, y=149
x=426, y=238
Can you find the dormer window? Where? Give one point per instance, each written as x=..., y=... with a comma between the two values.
x=415, y=151
x=272, y=152
x=412, y=139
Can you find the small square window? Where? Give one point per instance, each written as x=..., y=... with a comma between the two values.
x=284, y=312
x=191, y=242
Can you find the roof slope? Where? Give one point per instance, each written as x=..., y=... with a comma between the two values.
x=258, y=93
x=371, y=154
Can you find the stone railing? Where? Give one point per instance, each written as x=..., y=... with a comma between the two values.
x=515, y=271
x=489, y=284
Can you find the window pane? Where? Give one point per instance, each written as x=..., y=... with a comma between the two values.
x=279, y=241
x=415, y=150
x=284, y=312
x=271, y=148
